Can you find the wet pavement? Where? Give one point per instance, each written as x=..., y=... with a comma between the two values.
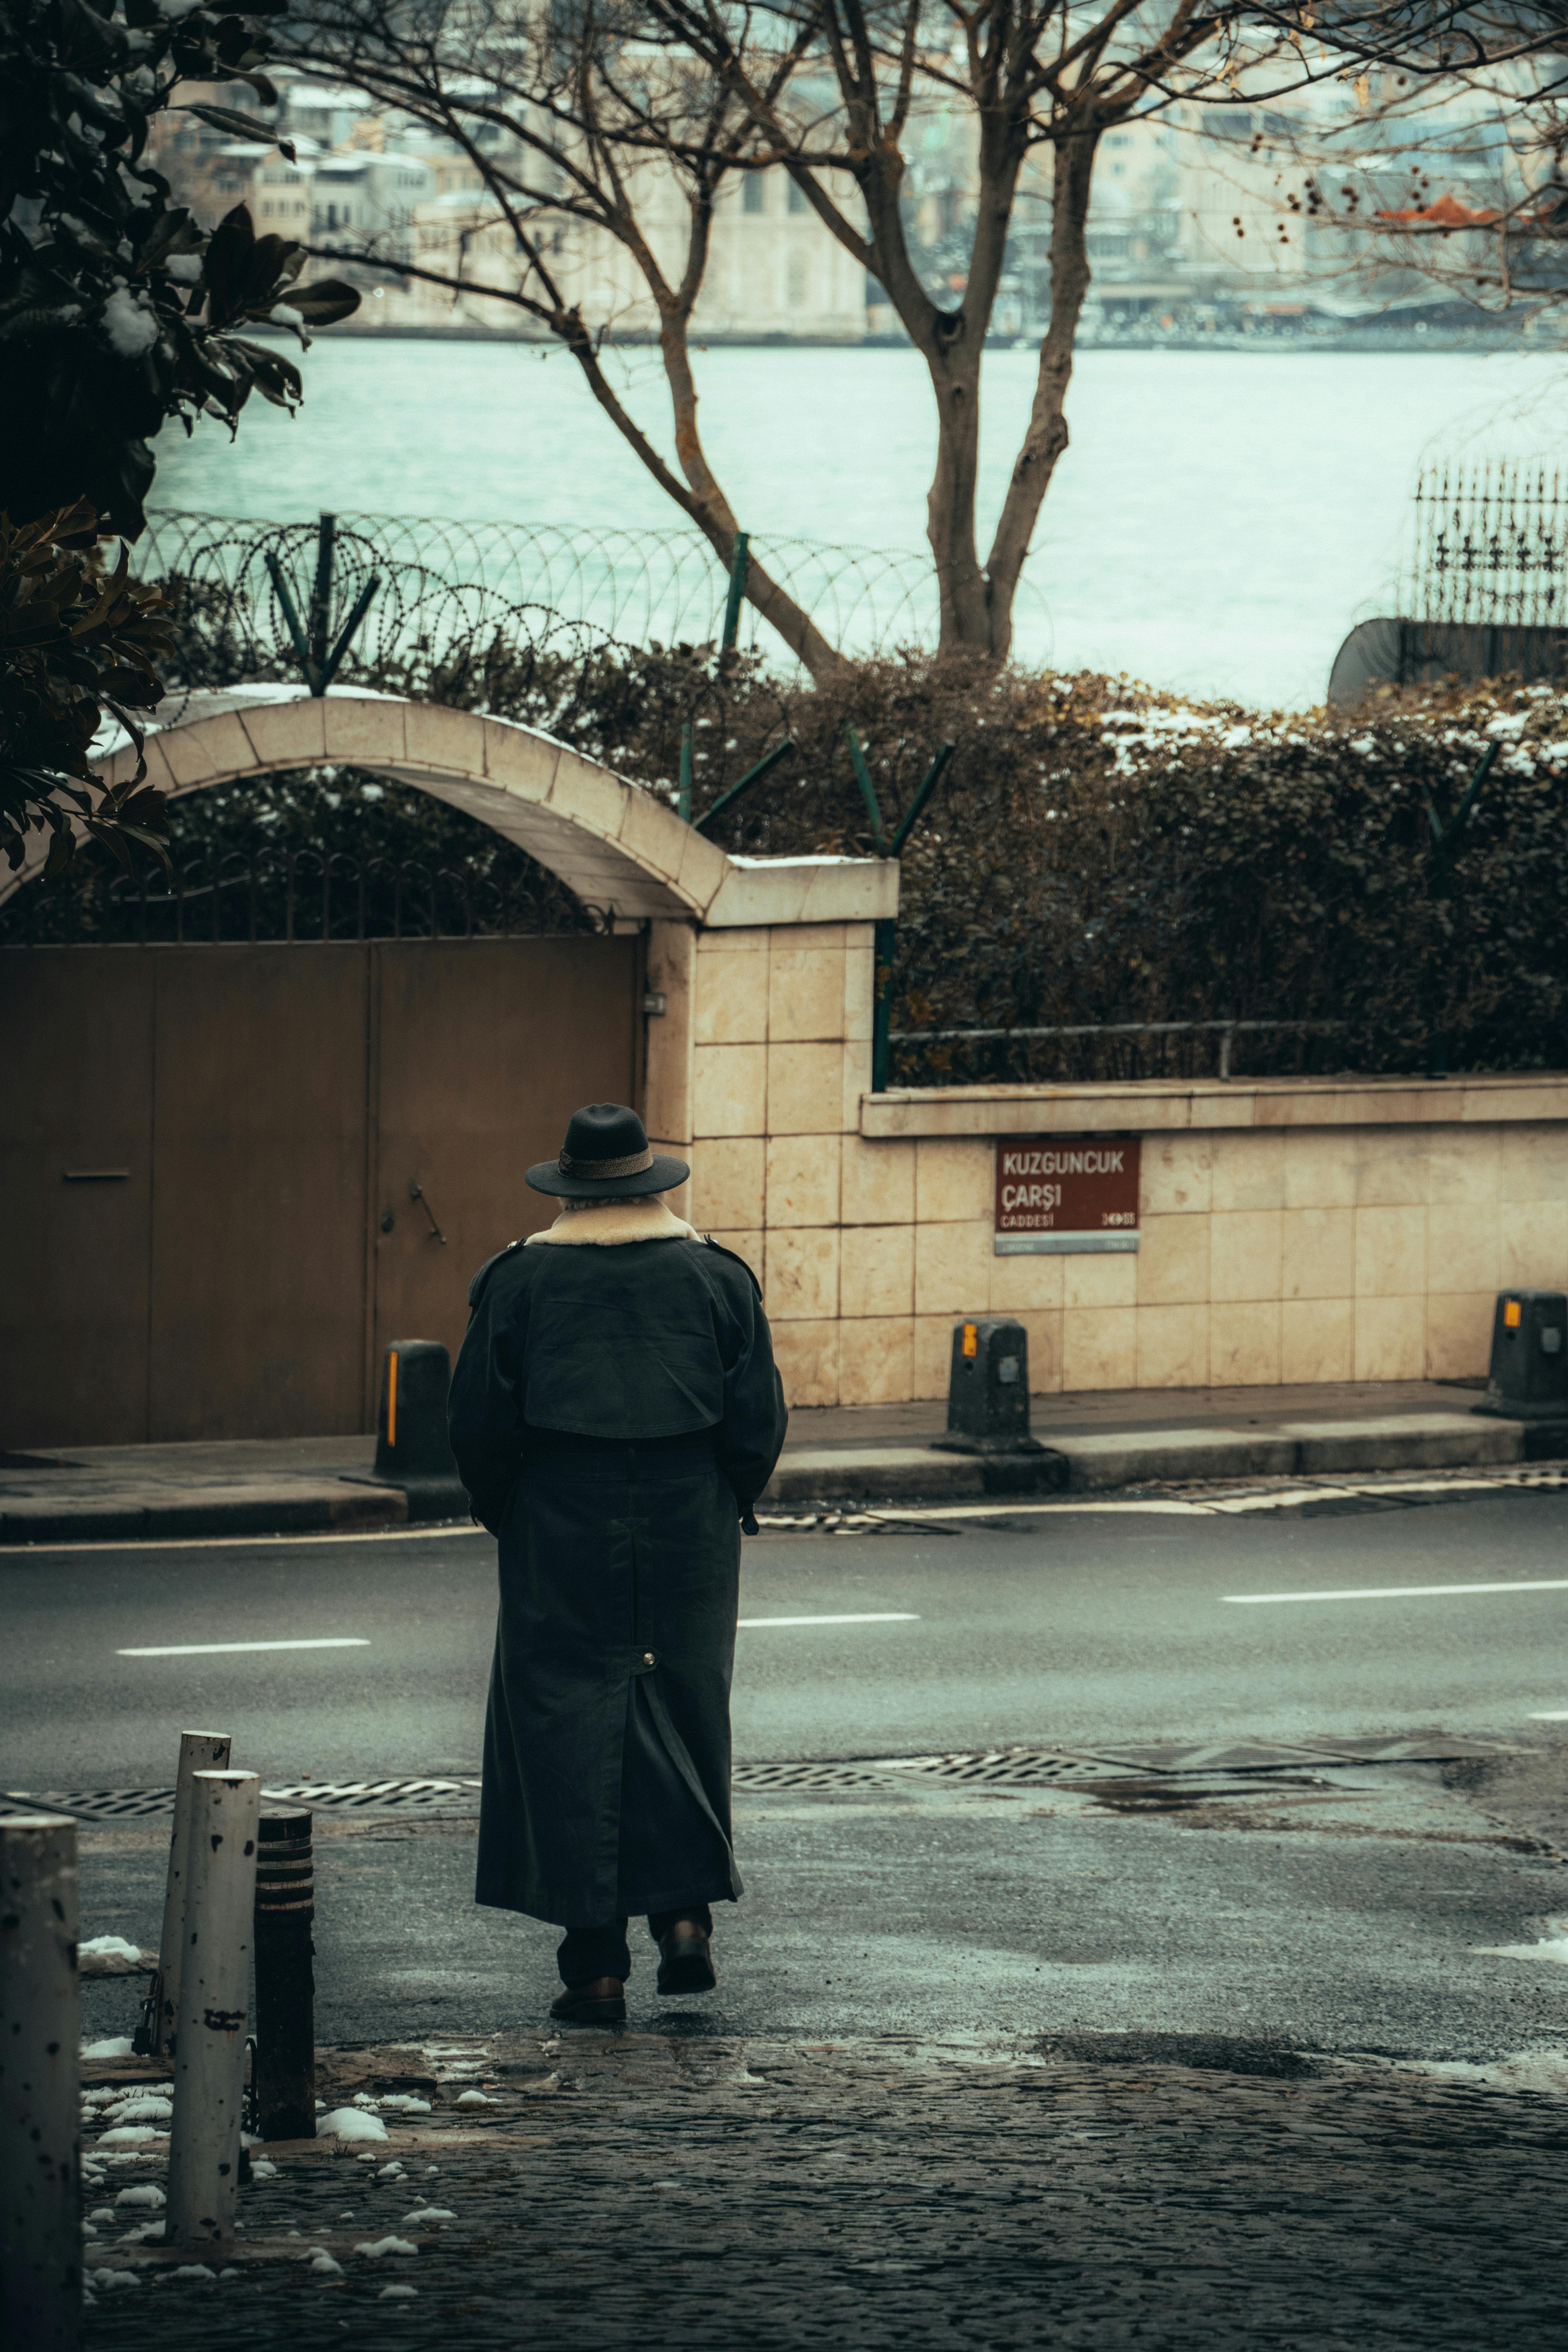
x=676, y=2189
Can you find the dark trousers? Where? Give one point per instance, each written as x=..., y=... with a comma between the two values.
x=590, y=1952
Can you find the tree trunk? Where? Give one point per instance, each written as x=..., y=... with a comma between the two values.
x=1046, y=436
x=953, y=359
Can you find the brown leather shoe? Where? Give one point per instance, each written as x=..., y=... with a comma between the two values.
x=601, y=2001
x=686, y=1959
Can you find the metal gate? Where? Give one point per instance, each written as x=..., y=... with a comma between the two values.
x=209, y=1154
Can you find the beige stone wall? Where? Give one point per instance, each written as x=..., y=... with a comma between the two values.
x=1316, y=1253
x=1288, y=1251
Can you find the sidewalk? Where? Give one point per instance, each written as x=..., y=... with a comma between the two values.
x=587, y=2190
x=848, y=1453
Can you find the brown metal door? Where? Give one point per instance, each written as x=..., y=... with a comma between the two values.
x=486, y=1048
x=259, y=1210
x=76, y=1178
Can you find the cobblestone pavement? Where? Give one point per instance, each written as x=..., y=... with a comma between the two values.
x=674, y=2189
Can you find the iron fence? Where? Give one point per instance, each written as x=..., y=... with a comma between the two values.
x=297, y=896
x=1490, y=545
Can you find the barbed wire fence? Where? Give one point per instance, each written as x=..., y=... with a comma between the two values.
x=445, y=581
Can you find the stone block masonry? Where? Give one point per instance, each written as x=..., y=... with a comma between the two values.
x=1291, y=1230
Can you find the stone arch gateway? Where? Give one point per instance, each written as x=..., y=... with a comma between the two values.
x=213, y=1149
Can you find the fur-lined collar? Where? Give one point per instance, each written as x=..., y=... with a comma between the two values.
x=616, y=1221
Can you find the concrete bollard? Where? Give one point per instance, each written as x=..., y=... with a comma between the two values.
x=215, y=2000
x=40, y=2086
x=285, y=1979
x=200, y=1751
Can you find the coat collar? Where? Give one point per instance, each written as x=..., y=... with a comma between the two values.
x=608, y=1222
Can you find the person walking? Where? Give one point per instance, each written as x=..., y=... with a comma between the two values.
x=614, y=1413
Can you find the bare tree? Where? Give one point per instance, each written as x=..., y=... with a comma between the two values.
x=579, y=117
x=579, y=111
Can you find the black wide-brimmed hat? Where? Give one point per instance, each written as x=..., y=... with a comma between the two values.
x=606, y=1156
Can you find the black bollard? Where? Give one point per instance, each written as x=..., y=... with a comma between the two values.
x=412, y=1448
x=285, y=1978
x=1528, y=1379
x=988, y=1389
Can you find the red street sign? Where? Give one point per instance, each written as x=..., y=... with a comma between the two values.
x=1064, y=1193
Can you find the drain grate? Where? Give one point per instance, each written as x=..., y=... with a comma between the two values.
x=996, y=1767
x=325, y=1796
x=1006, y=1767
x=992, y=1768
x=761, y=1777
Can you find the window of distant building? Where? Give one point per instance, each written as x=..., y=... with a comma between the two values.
x=797, y=203
x=752, y=193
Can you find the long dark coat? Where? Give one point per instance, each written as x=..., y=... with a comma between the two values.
x=614, y=1410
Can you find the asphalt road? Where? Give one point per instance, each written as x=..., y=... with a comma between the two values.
x=1067, y=1629
x=1403, y=1910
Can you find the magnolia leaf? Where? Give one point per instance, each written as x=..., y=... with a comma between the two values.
x=325, y=301
x=239, y=126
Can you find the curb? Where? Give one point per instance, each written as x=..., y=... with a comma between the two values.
x=294, y=1507
x=851, y=1473
x=1090, y=1465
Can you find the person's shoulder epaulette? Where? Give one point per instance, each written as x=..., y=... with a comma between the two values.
x=735, y=1258
x=477, y=1286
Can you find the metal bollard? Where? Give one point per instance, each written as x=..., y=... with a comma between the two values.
x=284, y=1981
x=209, y=2029
x=200, y=1751
x=40, y=2200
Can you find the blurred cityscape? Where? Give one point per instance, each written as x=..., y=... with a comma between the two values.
x=1290, y=220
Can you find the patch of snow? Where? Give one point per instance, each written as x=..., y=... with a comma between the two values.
x=146, y=2194
x=108, y=1947
x=131, y=326
x=406, y=2104
x=263, y=2168
x=283, y=314
x=231, y=2272
x=138, y=2236
x=427, y=2214
x=117, y=2047
x=105, y=2279
x=351, y=2123
x=130, y=2136
x=88, y=2229
x=392, y=2171
x=1554, y=1947
x=396, y=2294
x=323, y=2266
x=1527, y=2070
x=476, y=2099
x=185, y=269
x=101, y=2213
x=364, y=2099
x=142, y=2107
x=374, y=2248
x=194, y=2270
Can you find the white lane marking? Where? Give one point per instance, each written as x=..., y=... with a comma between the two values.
x=1403, y=1591
x=211, y=1649
x=1020, y=1510
x=1549, y=1714
x=861, y=1617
